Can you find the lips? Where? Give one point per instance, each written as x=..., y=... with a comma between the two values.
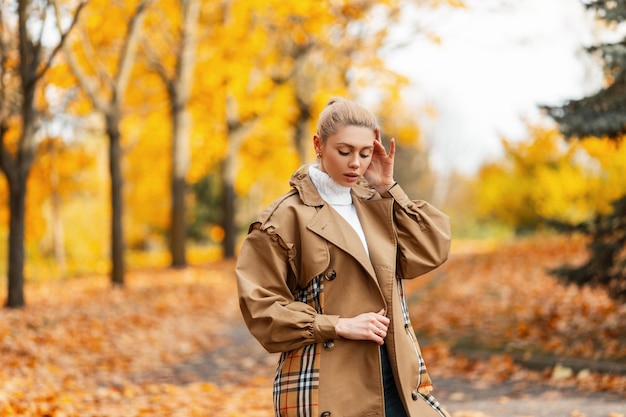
x=352, y=176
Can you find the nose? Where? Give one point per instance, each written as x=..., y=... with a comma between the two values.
x=354, y=161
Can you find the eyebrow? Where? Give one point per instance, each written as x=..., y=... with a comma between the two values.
x=352, y=146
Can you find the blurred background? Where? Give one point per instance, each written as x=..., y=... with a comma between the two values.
x=139, y=138
x=150, y=133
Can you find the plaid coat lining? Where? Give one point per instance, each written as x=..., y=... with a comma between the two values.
x=425, y=384
x=296, y=384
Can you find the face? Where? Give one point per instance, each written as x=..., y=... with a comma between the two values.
x=347, y=154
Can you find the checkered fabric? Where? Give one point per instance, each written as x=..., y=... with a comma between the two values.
x=409, y=329
x=296, y=384
x=425, y=384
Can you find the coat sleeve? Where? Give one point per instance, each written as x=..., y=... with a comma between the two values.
x=423, y=234
x=273, y=316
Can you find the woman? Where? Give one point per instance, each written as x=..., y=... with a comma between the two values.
x=320, y=278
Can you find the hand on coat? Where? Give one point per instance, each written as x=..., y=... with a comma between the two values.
x=379, y=174
x=367, y=326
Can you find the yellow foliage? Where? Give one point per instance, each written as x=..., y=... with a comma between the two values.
x=265, y=56
x=97, y=41
x=73, y=173
x=13, y=135
x=546, y=177
x=608, y=170
x=558, y=193
x=4, y=208
x=147, y=175
x=398, y=121
x=269, y=152
x=61, y=167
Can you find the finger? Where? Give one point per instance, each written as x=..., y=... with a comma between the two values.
x=380, y=331
x=380, y=148
x=377, y=134
x=382, y=319
x=379, y=336
x=392, y=148
x=382, y=324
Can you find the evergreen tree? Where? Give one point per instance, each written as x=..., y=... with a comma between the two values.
x=602, y=114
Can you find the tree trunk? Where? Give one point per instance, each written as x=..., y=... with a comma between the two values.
x=180, y=164
x=115, y=170
x=17, y=204
x=237, y=132
x=17, y=167
x=228, y=207
x=111, y=109
x=303, y=145
x=181, y=127
x=17, y=172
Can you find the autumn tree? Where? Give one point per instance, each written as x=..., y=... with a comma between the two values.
x=307, y=50
x=274, y=64
x=332, y=49
x=25, y=58
x=545, y=177
x=246, y=98
x=601, y=114
x=176, y=24
x=537, y=178
x=102, y=59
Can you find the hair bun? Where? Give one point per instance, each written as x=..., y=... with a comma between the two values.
x=334, y=100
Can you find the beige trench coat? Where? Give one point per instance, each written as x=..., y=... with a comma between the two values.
x=302, y=267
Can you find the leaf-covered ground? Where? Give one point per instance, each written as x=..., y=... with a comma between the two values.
x=80, y=348
x=499, y=300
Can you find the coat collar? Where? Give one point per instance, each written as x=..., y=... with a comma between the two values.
x=309, y=195
x=329, y=224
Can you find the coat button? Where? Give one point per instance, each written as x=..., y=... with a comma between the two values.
x=414, y=395
x=331, y=274
x=329, y=344
x=325, y=414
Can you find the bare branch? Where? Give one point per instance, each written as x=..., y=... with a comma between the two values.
x=129, y=50
x=43, y=17
x=64, y=35
x=94, y=58
x=188, y=39
x=156, y=65
x=167, y=35
x=84, y=80
x=3, y=60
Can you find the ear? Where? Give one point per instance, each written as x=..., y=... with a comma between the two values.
x=317, y=144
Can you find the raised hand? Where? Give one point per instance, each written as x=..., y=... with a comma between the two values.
x=379, y=174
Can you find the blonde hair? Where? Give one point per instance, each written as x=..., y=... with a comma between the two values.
x=339, y=113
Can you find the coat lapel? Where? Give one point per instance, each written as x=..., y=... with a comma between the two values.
x=329, y=225
x=376, y=219
x=375, y=216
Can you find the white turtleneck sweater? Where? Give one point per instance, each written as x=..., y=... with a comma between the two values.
x=339, y=198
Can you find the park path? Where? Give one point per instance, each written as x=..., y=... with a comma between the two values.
x=241, y=358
